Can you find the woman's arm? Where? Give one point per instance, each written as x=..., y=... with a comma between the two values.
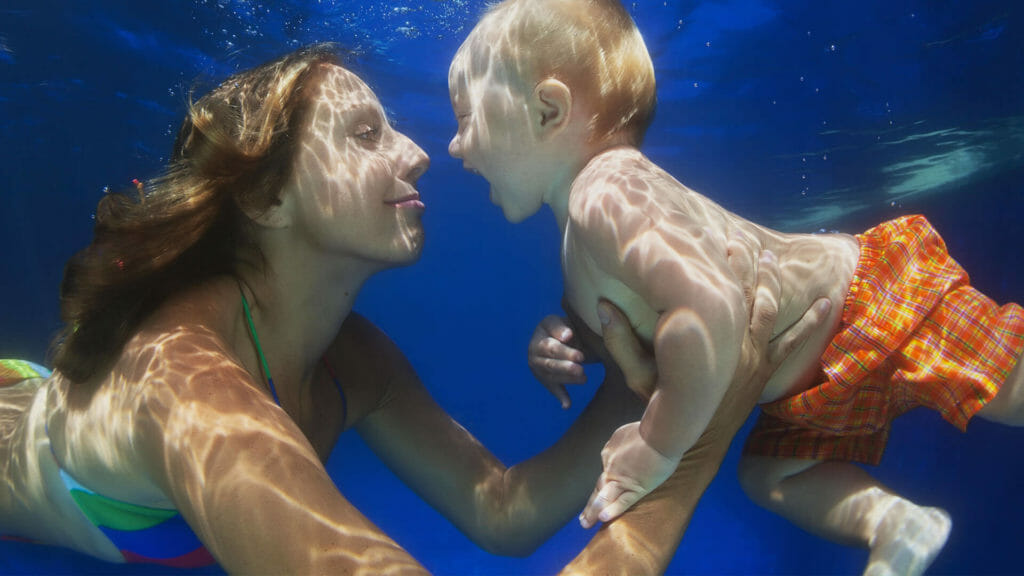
x=645, y=538
x=505, y=510
x=246, y=479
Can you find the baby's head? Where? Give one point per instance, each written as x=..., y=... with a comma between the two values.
x=590, y=54
x=592, y=46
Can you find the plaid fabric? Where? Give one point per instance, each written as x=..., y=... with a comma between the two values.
x=913, y=333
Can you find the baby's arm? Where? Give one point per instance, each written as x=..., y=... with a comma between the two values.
x=680, y=269
x=644, y=540
x=641, y=455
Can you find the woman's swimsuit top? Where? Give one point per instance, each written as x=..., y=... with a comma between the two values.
x=144, y=534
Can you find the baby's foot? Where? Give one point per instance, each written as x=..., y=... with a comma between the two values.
x=907, y=539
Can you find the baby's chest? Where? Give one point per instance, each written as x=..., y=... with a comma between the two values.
x=586, y=284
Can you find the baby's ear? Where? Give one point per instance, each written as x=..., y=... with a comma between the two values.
x=550, y=107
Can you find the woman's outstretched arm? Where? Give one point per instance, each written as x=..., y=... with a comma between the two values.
x=508, y=510
x=244, y=476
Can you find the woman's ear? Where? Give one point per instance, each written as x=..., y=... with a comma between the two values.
x=550, y=107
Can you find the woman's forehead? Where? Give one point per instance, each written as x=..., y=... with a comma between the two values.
x=345, y=90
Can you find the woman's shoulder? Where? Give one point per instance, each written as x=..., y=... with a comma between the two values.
x=361, y=343
x=181, y=348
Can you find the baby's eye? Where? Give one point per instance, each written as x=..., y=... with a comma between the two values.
x=367, y=132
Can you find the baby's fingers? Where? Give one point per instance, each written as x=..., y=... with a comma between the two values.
x=615, y=508
x=608, y=503
x=602, y=497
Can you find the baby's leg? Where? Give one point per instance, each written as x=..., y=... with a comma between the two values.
x=1008, y=405
x=843, y=503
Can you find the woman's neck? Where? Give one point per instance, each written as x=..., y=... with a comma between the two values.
x=297, y=307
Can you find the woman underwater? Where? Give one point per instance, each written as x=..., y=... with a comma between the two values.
x=211, y=357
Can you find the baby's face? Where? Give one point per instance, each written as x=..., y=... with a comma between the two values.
x=494, y=138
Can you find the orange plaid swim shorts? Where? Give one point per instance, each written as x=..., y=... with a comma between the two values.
x=913, y=333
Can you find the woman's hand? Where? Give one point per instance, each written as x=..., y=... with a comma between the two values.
x=622, y=351
x=553, y=359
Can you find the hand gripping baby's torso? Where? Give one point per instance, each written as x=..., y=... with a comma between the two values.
x=656, y=217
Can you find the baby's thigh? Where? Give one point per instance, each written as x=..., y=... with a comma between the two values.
x=1008, y=405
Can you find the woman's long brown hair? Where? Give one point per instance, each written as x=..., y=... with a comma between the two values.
x=234, y=151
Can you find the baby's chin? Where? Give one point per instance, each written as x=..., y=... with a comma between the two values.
x=517, y=214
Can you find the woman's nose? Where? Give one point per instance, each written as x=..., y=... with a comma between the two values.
x=413, y=161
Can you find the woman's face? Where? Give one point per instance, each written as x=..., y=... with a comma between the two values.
x=355, y=176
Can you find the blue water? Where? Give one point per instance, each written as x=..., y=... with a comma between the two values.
x=802, y=115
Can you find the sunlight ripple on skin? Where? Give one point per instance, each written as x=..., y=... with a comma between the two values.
x=181, y=359
x=182, y=417
x=346, y=103
x=542, y=131
x=907, y=539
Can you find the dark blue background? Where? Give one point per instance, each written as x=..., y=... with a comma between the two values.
x=799, y=115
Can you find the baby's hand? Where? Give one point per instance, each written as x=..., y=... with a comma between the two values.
x=552, y=358
x=631, y=470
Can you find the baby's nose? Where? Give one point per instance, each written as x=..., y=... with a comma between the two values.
x=455, y=147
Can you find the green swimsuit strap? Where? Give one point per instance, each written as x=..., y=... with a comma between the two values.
x=259, y=349
x=266, y=369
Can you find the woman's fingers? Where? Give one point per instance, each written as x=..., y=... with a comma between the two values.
x=766, y=299
x=741, y=252
x=784, y=344
x=635, y=362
